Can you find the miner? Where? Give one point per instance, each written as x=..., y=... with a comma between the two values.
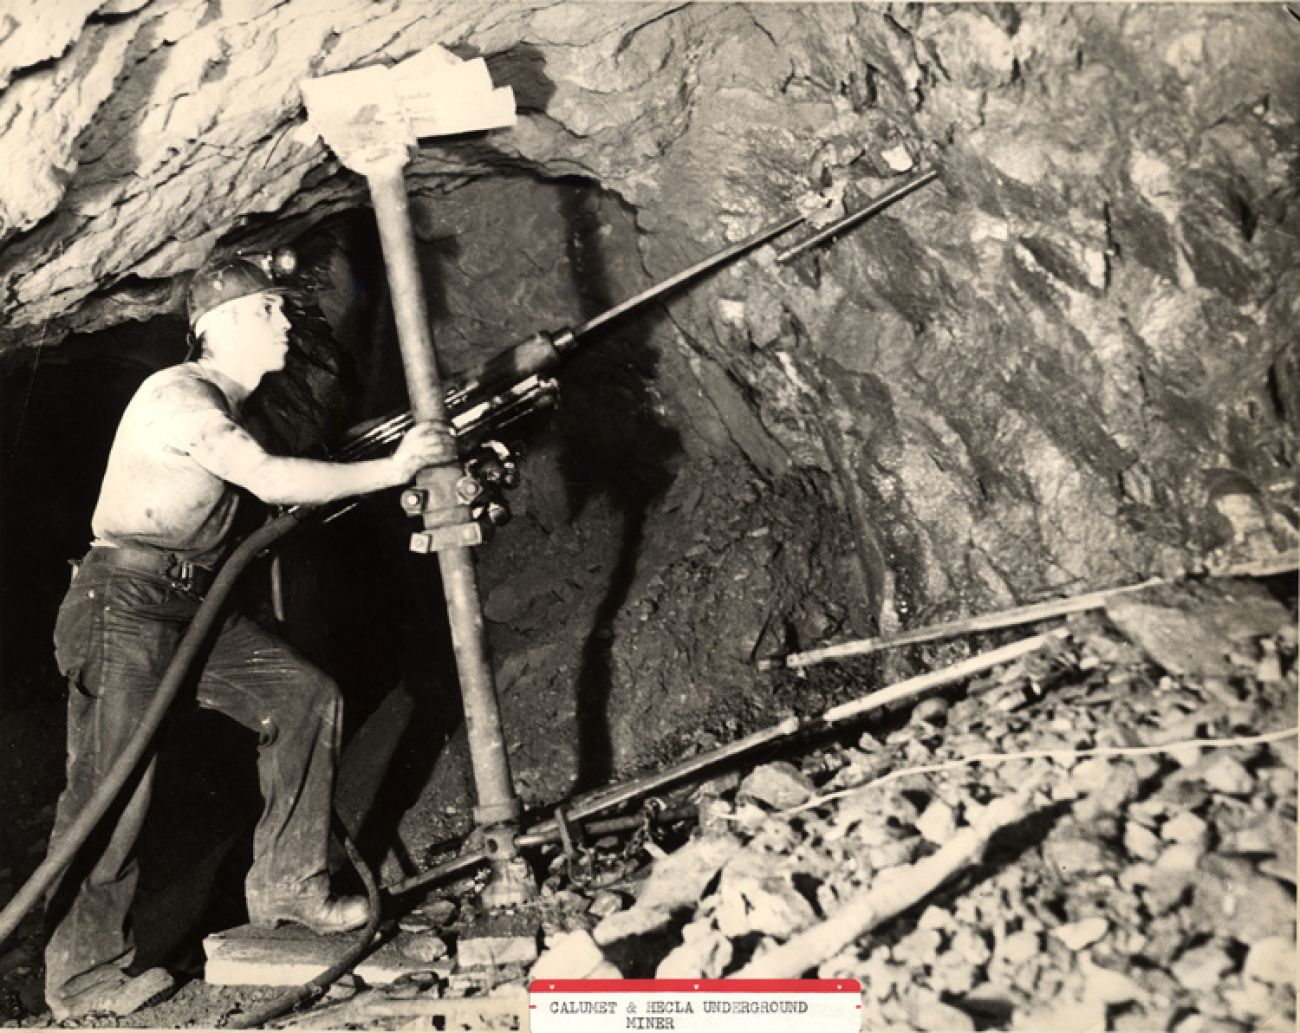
x=161, y=527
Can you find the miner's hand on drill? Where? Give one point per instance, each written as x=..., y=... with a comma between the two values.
x=425, y=444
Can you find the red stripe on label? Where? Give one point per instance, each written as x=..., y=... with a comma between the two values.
x=687, y=986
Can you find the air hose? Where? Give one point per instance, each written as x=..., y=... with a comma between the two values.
x=62, y=853
x=292, y=998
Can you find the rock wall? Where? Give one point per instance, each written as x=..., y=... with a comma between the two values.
x=1069, y=360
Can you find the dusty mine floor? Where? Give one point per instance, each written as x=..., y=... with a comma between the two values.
x=1100, y=835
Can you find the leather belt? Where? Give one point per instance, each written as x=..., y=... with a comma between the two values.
x=187, y=576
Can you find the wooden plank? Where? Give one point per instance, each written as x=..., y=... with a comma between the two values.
x=291, y=955
x=495, y=940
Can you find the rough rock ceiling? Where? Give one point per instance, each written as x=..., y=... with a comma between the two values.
x=1067, y=360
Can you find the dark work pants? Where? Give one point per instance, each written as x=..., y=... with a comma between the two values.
x=116, y=633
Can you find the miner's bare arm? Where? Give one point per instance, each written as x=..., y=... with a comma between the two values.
x=230, y=452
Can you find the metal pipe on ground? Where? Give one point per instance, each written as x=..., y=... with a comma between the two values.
x=901, y=692
x=1045, y=610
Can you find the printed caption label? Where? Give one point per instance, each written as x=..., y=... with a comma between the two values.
x=693, y=1005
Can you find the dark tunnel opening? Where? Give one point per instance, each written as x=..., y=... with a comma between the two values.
x=357, y=602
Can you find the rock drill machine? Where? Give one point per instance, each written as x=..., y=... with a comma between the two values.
x=372, y=118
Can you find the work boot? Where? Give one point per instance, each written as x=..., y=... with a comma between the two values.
x=119, y=998
x=322, y=915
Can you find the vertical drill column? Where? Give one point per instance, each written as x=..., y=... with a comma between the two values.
x=371, y=117
x=497, y=803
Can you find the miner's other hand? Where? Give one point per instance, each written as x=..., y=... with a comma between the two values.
x=426, y=444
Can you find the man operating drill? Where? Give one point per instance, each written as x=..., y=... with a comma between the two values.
x=161, y=527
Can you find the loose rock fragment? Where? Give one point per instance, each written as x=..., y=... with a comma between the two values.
x=423, y=947
x=917, y=947
x=1226, y=775
x=1018, y=948
x=756, y=895
x=952, y=975
x=1201, y=967
x=1091, y=775
x=971, y=947
x=680, y=878
x=931, y=711
x=1121, y=786
x=1107, y=985
x=1148, y=813
x=778, y=785
x=1073, y=853
x=1283, y=868
x=1272, y=960
x=1254, y=833
x=1078, y=935
x=574, y=955
x=892, y=853
x=635, y=921
x=1253, y=999
x=1141, y=842
x=1167, y=889
x=345, y=987
x=1186, y=828
x=937, y=918
x=1231, y=898
x=748, y=817
x=704, y=956
x=1136, y=876
x=1179, y=857
x=937, y=823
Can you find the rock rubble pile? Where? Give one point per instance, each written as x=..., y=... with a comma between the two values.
x=1148, y=884
x=1101, y=835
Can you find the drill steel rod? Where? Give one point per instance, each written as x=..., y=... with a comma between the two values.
x=853, y=218
x=698, y=269
x=922, y=683
x=388, y=430
x=488, y=757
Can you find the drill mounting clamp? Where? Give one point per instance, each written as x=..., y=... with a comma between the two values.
x=489, y=471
